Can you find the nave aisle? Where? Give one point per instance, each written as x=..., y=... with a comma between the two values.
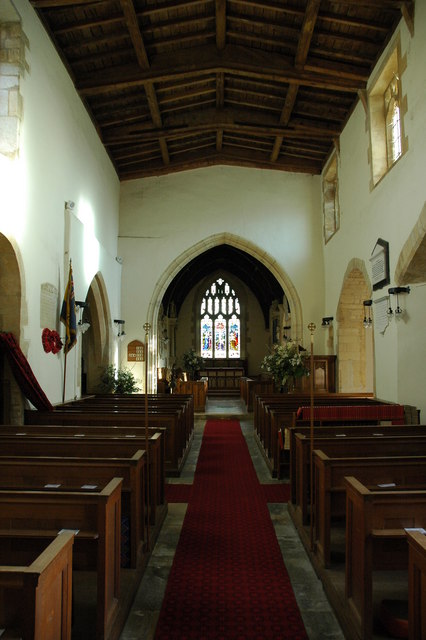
x=317, y=615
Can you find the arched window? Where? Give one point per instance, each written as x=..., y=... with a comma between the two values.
x=220, y=321
x=393, y=121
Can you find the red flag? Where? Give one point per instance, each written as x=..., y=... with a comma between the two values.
x=68, y=315
x=280, y=438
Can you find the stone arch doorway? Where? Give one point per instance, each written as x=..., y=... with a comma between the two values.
x=178, y=265
x=11, y=400
x=355, y=344
x=96, y=342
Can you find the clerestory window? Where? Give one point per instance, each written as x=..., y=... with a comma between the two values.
x=330, y=198
x=386, y=118
x=393, y=121
x=220, y=321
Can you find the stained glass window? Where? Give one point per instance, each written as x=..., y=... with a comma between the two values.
x=220, y=322
x=206, y=337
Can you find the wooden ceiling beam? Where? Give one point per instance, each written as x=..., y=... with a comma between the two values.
x=135, y=33
x=131, y=134
x=59, y=4
x=142, y=57
x=327, y=18
x=306, y=33
x=309, y=22
x=227, y=157
x=220, y=90
x=390, y=5
x=220, y=6
x=201, y=61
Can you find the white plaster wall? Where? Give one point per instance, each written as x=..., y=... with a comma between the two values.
x=60, y=159
x=162, y=218
x=389, y=211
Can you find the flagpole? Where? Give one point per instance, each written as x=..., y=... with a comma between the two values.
x=65, y=377
x=312, y=327
x=68, y=318
x=147, y=327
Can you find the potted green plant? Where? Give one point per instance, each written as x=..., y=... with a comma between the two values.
x=115, y=380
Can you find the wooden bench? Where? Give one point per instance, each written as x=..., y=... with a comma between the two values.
x=416, y=585
x=28, y=517
x=183, y=405
x=175, y=451
x=273, y=413
x=341, y=432
x=329, y=488
x=88, y=443
x=35, y=595
x=376, y=540
x=71, y=474
x=404, y=444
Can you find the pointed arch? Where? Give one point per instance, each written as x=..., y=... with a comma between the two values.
x=215, y=240
x=97, y=341
x=412, y=259
x=11, y=399
x=355, y=345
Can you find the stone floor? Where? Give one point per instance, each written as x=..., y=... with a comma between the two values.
x=318, y=616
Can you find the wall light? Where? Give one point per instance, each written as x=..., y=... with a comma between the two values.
x=396, y=291
x=368, y=322
x=326, y=322
x=120, y=328
x=80, y=306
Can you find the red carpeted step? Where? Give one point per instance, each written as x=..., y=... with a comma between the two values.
x=228, y=580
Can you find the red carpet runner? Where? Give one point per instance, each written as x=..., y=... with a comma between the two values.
x=228, y=580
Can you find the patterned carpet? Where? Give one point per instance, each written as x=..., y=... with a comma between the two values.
x=228, y=580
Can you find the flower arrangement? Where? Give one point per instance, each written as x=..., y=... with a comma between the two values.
x=192, y=362
x=284, y=363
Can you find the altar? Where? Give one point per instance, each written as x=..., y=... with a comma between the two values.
x=223, y=380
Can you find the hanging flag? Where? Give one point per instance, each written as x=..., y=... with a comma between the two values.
x=280, y=439
x=68, y=316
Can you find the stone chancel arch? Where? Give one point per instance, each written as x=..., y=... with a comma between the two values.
x=178, y=266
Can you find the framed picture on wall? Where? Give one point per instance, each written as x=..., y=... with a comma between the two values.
x=380, y=264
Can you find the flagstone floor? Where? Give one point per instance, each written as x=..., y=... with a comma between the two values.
x=318, y=617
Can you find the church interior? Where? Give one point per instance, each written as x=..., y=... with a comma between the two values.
x=212, y=239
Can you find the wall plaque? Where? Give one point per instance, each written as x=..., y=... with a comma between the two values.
x=380, y=264
x=136, y=351
x=49, y=310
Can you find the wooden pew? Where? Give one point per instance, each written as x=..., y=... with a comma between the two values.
x=26, y=517
x=174, y=455
x=404, y=444
x=182, y=404
x=416, y=585
x=274, y=412
x=88, y=443
x=35, y=600
x=71, y=474
x=376, y=540
x=341, y=432
x=251, y=387
x=329, y=488
x=156, y=445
